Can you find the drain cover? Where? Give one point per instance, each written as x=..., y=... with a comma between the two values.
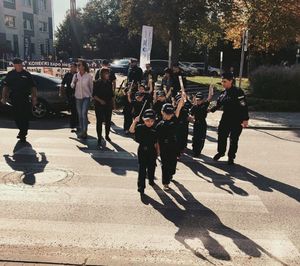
x=37, y=177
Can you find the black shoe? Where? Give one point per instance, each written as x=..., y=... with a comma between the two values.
x=217, y=157
x=108, y=138
x=152, y=183
x=230, y=161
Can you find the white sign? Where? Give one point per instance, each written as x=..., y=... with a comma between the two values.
x=146, y=46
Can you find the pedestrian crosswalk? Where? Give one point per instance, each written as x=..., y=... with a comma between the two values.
x=83, y=208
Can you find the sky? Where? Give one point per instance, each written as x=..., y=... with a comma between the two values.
x=60, y=8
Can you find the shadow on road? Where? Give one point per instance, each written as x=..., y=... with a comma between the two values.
x=220, y=181
x=196, y=221
x=118, y=159
x=29, y=164
x=262, y=182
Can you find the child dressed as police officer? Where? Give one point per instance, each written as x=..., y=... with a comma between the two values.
x=167, y=140
x=199, y=114
x=145, y=135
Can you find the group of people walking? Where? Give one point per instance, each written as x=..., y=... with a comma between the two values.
x=157, y=115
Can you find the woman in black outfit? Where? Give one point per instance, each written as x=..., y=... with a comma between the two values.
x=103, y=98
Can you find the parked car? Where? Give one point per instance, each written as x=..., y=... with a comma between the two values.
x=121, y=65
x=213, y=71
x=48, y=94
x=187, y=66
x=200, y=66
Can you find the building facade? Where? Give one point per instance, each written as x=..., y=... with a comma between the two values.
x=26, y=29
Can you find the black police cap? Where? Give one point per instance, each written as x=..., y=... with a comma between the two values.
x=227, y=75
x=161, y=94
x=17, y=61
x=149, y=114
x=199, y=95
x=168, y=108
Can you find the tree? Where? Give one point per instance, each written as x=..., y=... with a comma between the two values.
x=175, y=20
x=272, y=24
x=64, y=38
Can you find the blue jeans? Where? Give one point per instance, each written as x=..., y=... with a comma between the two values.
x=82, y=106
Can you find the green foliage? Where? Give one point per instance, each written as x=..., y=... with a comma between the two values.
x=276, y=83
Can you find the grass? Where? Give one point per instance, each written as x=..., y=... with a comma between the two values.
x=216, y=81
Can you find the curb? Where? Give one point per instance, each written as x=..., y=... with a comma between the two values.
x=265, y=128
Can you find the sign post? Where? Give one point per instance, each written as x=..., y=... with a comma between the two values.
x=146, y=46
x=244, y=49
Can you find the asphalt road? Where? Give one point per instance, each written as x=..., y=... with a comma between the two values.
x=64, y=201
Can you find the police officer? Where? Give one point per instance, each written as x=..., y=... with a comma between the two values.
x=112, y=76
x=182, y=131
x=199, y=114
x=235, y=117
x=19, y=84
x=149, y=75
x=70, y=95
x=176, y=73
x=145, y=135
x=135, y=73
x=159, y=102
x=168, y=143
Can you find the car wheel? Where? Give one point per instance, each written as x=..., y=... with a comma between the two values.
x=40, y=110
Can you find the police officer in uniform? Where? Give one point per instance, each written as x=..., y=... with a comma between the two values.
x=176, y=73
x=18, y=85
x=199, y=114
x=70, y=95
x=135, y=73
x=235, y=117
x=145, y=135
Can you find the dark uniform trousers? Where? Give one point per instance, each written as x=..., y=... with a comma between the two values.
x=182, y=135
x=199, y=136
x=21, y=113
x=147, y=163
x=168, y=155
x=72, y=106
x=103, y=115
x=229, y=129
x=127, y=112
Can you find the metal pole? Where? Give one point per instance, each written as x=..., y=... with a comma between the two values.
x=221, y=62
x=170, y=53
x=297, y=56
x=244, y=49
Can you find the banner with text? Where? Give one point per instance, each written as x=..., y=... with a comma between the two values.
x=146, y=46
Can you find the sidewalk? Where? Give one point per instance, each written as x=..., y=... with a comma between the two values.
x=264, y=120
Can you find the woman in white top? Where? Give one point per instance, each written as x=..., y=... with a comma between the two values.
x=83, y=84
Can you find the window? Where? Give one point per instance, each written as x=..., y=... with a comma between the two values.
x=42, y=5
x=28, y=24
x=10, y=1
x=32, y=48
x=10, y=21
x=27, y=3
x=43, y=26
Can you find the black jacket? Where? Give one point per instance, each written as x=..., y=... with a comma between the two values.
x=234, y=105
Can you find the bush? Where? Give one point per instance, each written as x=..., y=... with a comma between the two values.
x=276, y=83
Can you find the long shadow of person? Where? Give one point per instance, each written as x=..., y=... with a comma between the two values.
x=28, y=163
x=196, y=221
x=117, y=158
x=262, y=182
x=220, y=181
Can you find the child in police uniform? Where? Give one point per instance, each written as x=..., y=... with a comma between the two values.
x=145, y=135
x=167, y=140
x=199, y=114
